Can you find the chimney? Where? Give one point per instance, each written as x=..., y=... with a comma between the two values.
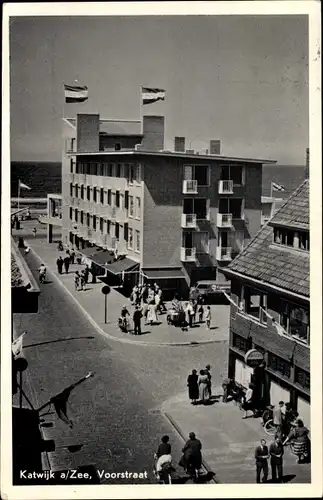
x=215, y=147
x=307, y=165
x=87, y=133
x=153, y=132
x=179, y=144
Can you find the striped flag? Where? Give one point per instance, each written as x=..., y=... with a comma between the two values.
x=23, y=186
x=277, y=187
x=75, y=93
x=150, y=95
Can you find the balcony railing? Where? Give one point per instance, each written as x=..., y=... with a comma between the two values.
x=189, y=221
x=224, y=253
x=190, y=187
x=225, y=187
x=188, y=254
x=224, y=220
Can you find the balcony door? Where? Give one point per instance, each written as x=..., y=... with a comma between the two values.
x=232, y=173
x=225, y=239
x=197, y=206
x=231, y=206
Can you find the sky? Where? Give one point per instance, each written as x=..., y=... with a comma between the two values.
x=240, y=79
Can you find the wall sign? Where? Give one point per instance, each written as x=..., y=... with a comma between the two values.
x=253, y=357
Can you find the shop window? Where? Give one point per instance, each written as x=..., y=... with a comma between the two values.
x=302, y=378
x=278, y=365
x=254, y=303
x=296, y=321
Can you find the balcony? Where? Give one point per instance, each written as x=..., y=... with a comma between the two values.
x=189, y=187
x=188, y=221
x=224, y=253
x=225, y=187
x=224, y=220
x=188, y=254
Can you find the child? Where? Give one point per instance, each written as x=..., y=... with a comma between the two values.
x=201, y=312
x=208, y=317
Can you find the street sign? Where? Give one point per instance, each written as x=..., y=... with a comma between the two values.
x=106, y=290
x=253, y=357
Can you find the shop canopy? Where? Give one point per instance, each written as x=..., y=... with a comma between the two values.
x=122, y=265
x=102, y=257
x=170, y=273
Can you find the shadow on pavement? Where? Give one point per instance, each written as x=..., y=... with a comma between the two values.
x=58, y=340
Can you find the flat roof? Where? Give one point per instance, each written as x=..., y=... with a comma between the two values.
x=173, y=154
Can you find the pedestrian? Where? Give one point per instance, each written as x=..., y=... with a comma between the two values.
x=192, y=455
x=208, y=373
x=134, y=295
x=34, y=232
x=195, y=306
x=161, y=301
x=145, y=311
x=150, y=294
x=144, y=293
x=225, y=387
x=157, y=302
x=82, y=281
x=164, y=448
x=278, y=416
x=77, y=280
x=72, y=256
x=86, y=273
x=261, y=456
x=193, y=388
x=67, y=263
x=201, y=312
x=276, y=451
x=137, y=315
x=190, y=313
x=59, y=264
x=247, y=405
x=208, y=317
x=203, y=383
x=151, y=316
x=300, y=441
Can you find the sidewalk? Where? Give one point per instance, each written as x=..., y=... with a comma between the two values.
x=228, y=441
x=91, y=301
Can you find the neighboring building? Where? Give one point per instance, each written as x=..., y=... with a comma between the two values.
x=269, y=206
x=270, y=287
x=173, y=217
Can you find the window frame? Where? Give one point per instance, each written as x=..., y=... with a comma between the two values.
x=137, y=240
x=137, y=208
x=130, y=238
x=131, y=206
x=290, y=305
x=193, y=166
x=262, y=318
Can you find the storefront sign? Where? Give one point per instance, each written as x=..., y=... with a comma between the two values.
x=253, y=357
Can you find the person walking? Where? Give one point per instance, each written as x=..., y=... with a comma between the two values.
x=86, y=273
x=300, y=441
x=190, y=313
x=193, y=388
x=82, y=281
x=145, y=311
x=208, y=373
x=192, y=455
x=72, y=256
x=201, y=312
x=77, y=280
x=164, y=448
x=34, y=232
x=276, y=451
x=67, y=263
x=278, y=416
x=261, y=456
x=151, y=315
x=59, y=264
x=161, y=301
x=203, y=383
x=137, y=315
x=208, y=317
x=247, y=405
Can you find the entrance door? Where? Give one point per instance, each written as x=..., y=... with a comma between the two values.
x=243, y=373
x=278, y=393
x=304, y=410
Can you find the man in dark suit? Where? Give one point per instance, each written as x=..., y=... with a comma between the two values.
x=261, y=456
x=276, y=451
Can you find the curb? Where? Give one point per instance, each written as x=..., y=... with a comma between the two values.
x=181, y=434
x=108, y=335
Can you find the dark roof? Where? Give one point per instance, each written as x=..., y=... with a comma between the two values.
x=295, y=212
x=284, y=267
x=121, y=265
x=163, y=273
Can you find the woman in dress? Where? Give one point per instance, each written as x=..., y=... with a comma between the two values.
x=193, y=388
x=151, y=316
x=300, y=441
x=203, y=383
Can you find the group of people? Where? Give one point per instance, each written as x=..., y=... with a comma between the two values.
x=200, y=386
x=150, y=295
x=186, y=315
x=81, y=278
x=65, y=262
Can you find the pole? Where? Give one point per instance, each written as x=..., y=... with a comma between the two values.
x=105, y=309
x=23, y=393
x=271, y=189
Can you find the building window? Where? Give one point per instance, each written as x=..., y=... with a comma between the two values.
x=233, y=206
x=102, y=196
x=197, y=206
x=94, y=221
x=125, y=231
x=94, y=194
x=304, y=240
x=118, y=170
x=278, y=365
x=130, y=206
x=131, y=173
x=109, y=196
x=302, y=378
x=100, y=169
x=110, y=170
x=138, y=172
x=232, y=173
x=88, y=220
x=296, y=321
x=199, y=173
x=239, y=343
x=137, y=241
x=130, y=238
x=118, y=199
x=108, y=226
x=101, y=224
x=82, y=216
x=72, y=166
x=71, y=189
x=88, y=193
x=76, y=215
x=105, y=169
x=254, y=303
x=126, y=170
x=82, y=192
x=117, y=146
x=138, y=207
x=71, y=213
x=76, y=191
x=286, y=237
x=117, y=230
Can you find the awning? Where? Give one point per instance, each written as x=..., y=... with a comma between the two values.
x=87, y=252
x=122, y=265
x=102, y=257
x=170, y=273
